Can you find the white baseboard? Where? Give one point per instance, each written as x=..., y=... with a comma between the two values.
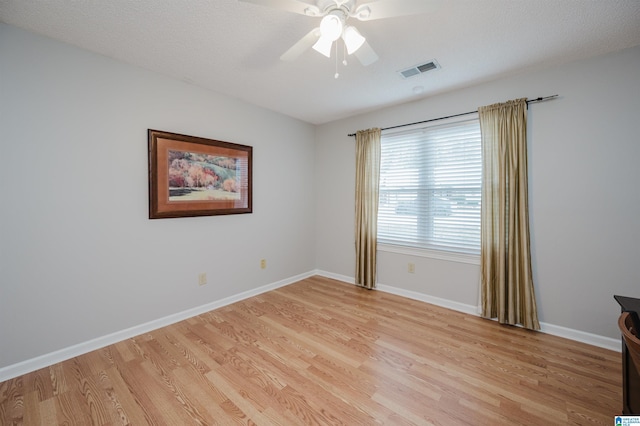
x=343, y=278
x=46, y=360
x=456, y=306
x=555, y=330
x=582, y=336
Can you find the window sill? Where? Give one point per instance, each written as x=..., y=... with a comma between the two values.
x=473, y=259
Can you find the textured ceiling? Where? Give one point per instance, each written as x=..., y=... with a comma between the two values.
x=233, y=47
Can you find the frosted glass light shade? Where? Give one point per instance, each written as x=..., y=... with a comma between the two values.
x=352, y=39
x=323, y=45
x=331, y=27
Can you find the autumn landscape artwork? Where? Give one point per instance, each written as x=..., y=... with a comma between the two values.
x=195, y=176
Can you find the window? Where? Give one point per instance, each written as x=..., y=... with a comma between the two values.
x=430, y=188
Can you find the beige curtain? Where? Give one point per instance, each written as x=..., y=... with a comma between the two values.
x=506, y=281
x=367, y=188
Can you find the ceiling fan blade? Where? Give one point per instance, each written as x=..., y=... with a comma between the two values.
x=379, y=9
x=366, y=55
x=296, y=6
x=301, y=45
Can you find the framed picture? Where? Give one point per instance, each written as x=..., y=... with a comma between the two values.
x=192, y=176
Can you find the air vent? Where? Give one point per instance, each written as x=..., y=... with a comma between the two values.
x=419, y=69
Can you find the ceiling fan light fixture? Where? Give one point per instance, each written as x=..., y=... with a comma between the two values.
x=352, y=39
x=331, y=27
x=323, y=45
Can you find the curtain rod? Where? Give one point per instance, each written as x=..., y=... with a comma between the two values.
x=532, y=101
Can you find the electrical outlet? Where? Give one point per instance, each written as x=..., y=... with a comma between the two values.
x=411, y=268
x=263, y=264
x=202, y=279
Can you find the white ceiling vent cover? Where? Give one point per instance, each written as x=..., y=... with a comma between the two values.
x=419, y=69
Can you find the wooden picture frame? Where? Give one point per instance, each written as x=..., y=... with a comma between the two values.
x=193, y=176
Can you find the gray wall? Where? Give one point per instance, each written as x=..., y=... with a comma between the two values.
x=584, y=150
x=79, y=258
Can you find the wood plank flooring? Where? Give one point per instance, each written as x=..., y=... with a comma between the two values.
x=321, y=352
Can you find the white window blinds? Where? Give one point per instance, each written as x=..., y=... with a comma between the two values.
x=430, y=187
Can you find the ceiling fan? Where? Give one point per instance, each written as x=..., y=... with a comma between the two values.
x=333, y=26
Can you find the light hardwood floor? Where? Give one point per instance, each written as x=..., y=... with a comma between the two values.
x=323, y=352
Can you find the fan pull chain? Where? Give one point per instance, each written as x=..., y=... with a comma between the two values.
x=336, y=75
x=344, y=54
x=344, y=58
